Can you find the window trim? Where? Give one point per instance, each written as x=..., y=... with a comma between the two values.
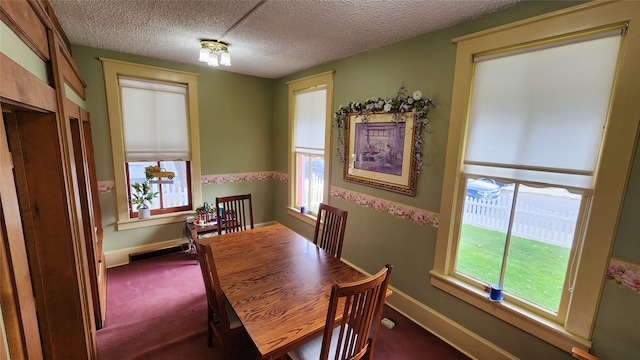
x=169, y=210
x=608, y=196
x=539, y=311
x=311, y=156
x=112, y=70
x=325, y=80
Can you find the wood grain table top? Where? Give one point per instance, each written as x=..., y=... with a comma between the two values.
x=279, y=283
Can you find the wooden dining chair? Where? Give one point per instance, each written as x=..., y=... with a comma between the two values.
x=237, y=213
x=355, y=336
x=222, y=321
x=330, y=226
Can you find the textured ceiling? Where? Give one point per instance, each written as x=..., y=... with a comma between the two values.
x=269, y=38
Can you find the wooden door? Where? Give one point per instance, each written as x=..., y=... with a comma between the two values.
x=20, y=324
x=41, y=222
x=89, y=206
x=101, y=264
x=55, y=247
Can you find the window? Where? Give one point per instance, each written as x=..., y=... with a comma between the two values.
x=153, y=120
x=523, y=239
x=310, y=120
x=310, y=109
x=156, y=133
x=173, y=194
x=528, y=199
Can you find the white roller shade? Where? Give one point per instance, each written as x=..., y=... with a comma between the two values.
x=155, y=123
x=311, y=115
x=539, y=115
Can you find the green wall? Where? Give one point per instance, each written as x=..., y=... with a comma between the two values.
x=235, y=137
x=616, y=334
x=426, y=63
x=244, y=128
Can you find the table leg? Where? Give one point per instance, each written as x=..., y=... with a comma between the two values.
x=192, y=236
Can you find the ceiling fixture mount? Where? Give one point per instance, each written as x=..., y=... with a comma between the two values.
x=210, y=51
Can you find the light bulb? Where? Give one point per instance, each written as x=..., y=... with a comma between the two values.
x=204, y=55
x=225, y=58
x=213, y=60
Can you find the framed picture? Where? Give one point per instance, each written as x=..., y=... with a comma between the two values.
x=379, y=149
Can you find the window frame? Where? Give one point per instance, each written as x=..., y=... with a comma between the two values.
x=162, y=210
x=610, y=179
x=306, y=84
x=311, y=157
x=555, y=316
x=112, y=70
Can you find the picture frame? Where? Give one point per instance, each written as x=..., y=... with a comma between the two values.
x=380, y=151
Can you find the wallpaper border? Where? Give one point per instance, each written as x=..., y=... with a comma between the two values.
x=106, y=186
x=402, y=211
x=624, y=274
x=237, y=177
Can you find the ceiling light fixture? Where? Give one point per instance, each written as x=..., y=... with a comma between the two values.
x=210, y=50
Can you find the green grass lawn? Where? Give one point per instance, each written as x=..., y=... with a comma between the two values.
x=535, y=270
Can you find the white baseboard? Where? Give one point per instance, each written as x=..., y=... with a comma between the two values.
x=121, y=256
x=454, y=334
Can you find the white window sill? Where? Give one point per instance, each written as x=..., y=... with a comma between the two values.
x=307, y=218
x=135, y=223
x=536, y=325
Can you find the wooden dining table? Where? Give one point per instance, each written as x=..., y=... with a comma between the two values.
x=278, y=283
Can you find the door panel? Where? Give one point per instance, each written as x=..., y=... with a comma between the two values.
x=48, y=210
x=16, y=292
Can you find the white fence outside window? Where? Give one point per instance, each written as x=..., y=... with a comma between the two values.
x=315, y=189
x=553, y=227
x=173, y=195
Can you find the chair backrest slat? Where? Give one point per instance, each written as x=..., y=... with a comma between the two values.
x=200, y=252
x=362, y=310
x=329, y=231
x=220, y=322
x=212, y=285
x=237, y=213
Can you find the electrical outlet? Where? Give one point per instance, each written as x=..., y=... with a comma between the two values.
x=388, y=323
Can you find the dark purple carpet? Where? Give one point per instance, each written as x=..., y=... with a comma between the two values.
x=156, y=309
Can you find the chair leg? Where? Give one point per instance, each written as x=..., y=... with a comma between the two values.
x=210, y=327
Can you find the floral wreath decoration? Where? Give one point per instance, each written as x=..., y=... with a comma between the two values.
x=397, y=106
